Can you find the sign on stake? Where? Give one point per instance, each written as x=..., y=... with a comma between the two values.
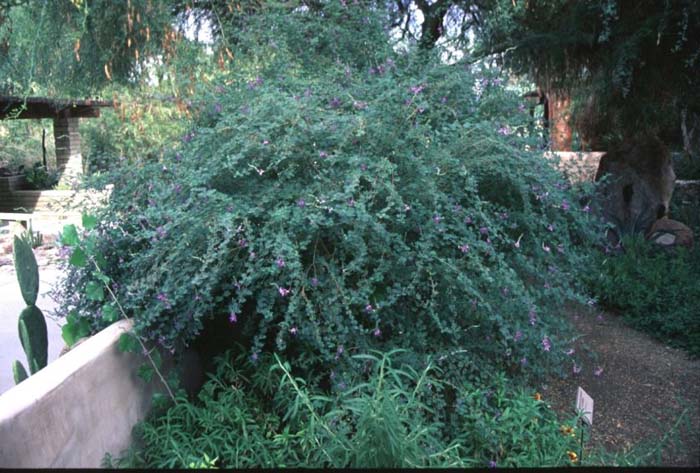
x=584, y=406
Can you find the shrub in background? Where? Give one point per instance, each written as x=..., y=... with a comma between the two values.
x=657, y=291
x=324, y=204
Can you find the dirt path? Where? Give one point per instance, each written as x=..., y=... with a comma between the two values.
x=641, y=392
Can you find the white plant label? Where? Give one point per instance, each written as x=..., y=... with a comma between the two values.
x=584, y=405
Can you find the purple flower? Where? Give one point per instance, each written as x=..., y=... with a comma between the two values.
x=484, y=231
x=550, y=227
x=564, y=205
x=586, y=209
x=576, y=369
x=280, y=262
x=598, y=371
x=322, y=154
x=546, y=344
x=163, y=298
x=377, y=333
x=254, y=357
x=218, y=108
x=437, y=218
x=314, y=282
x=284, y=291
x=232, y=318
x=521, y=107
x=178, y=157
x=359, y=105
x=492, y=464
x=301, y=203
x=334, y=102
x=187, y=137
x=518, y=336
x=504, y=130
x=266, y=142
x=369, y=308
x=161, y=232
x=468, y=220
x=443, y=100
x=255, y=83
x=464, y=248
x=416, y=89
x=363, y=166
x=242, y=242
x=523, y=361
x=351, y=202
x=293, y=331
x=570, y=351
x=546, y=248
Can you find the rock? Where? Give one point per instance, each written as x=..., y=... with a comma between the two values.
x=638, y=184
x=666, y=232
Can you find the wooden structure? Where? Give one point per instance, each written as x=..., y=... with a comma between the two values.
x=65, y=114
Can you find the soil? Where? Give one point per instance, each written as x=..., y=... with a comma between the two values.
x=644, y=390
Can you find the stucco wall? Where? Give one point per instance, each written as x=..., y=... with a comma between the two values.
x=79, y=407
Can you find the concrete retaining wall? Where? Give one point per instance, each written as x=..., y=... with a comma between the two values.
x=78, y=408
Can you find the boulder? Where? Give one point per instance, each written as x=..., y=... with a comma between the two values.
x=667, y=233
x=637, y=185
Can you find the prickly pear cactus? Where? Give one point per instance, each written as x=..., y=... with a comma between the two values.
x=31, y=324
x=34, y=338
x=18, y=372
x=27, y=270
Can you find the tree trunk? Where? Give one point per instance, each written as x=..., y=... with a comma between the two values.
x=560, y=126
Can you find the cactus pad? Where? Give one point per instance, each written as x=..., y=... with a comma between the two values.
x=27, y=270
x=34, y=338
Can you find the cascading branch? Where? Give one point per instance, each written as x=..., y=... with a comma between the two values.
x=31, y=324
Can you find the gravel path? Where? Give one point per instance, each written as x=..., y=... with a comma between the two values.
x=640, y=394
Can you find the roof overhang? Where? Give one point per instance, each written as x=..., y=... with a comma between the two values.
x=43, y=107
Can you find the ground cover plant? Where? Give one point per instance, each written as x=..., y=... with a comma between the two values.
x=260, y=415
x=656, y=290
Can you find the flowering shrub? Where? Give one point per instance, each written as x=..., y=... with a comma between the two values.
x=333, y=202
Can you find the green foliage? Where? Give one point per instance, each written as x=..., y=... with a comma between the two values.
x=32, y=238
x=618, y=54
x=38, y=177
x=26, y=269
x=386, y=417
x=655, y=290
x=139, y=128
x=31, y=323
x=344, y=205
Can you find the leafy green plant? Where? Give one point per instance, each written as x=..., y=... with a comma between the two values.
x=346, y=205
x=32, y=238
x=40, y=178
x=388, y=416
x=655, y=290
x=82, y=255
x=31, y=324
